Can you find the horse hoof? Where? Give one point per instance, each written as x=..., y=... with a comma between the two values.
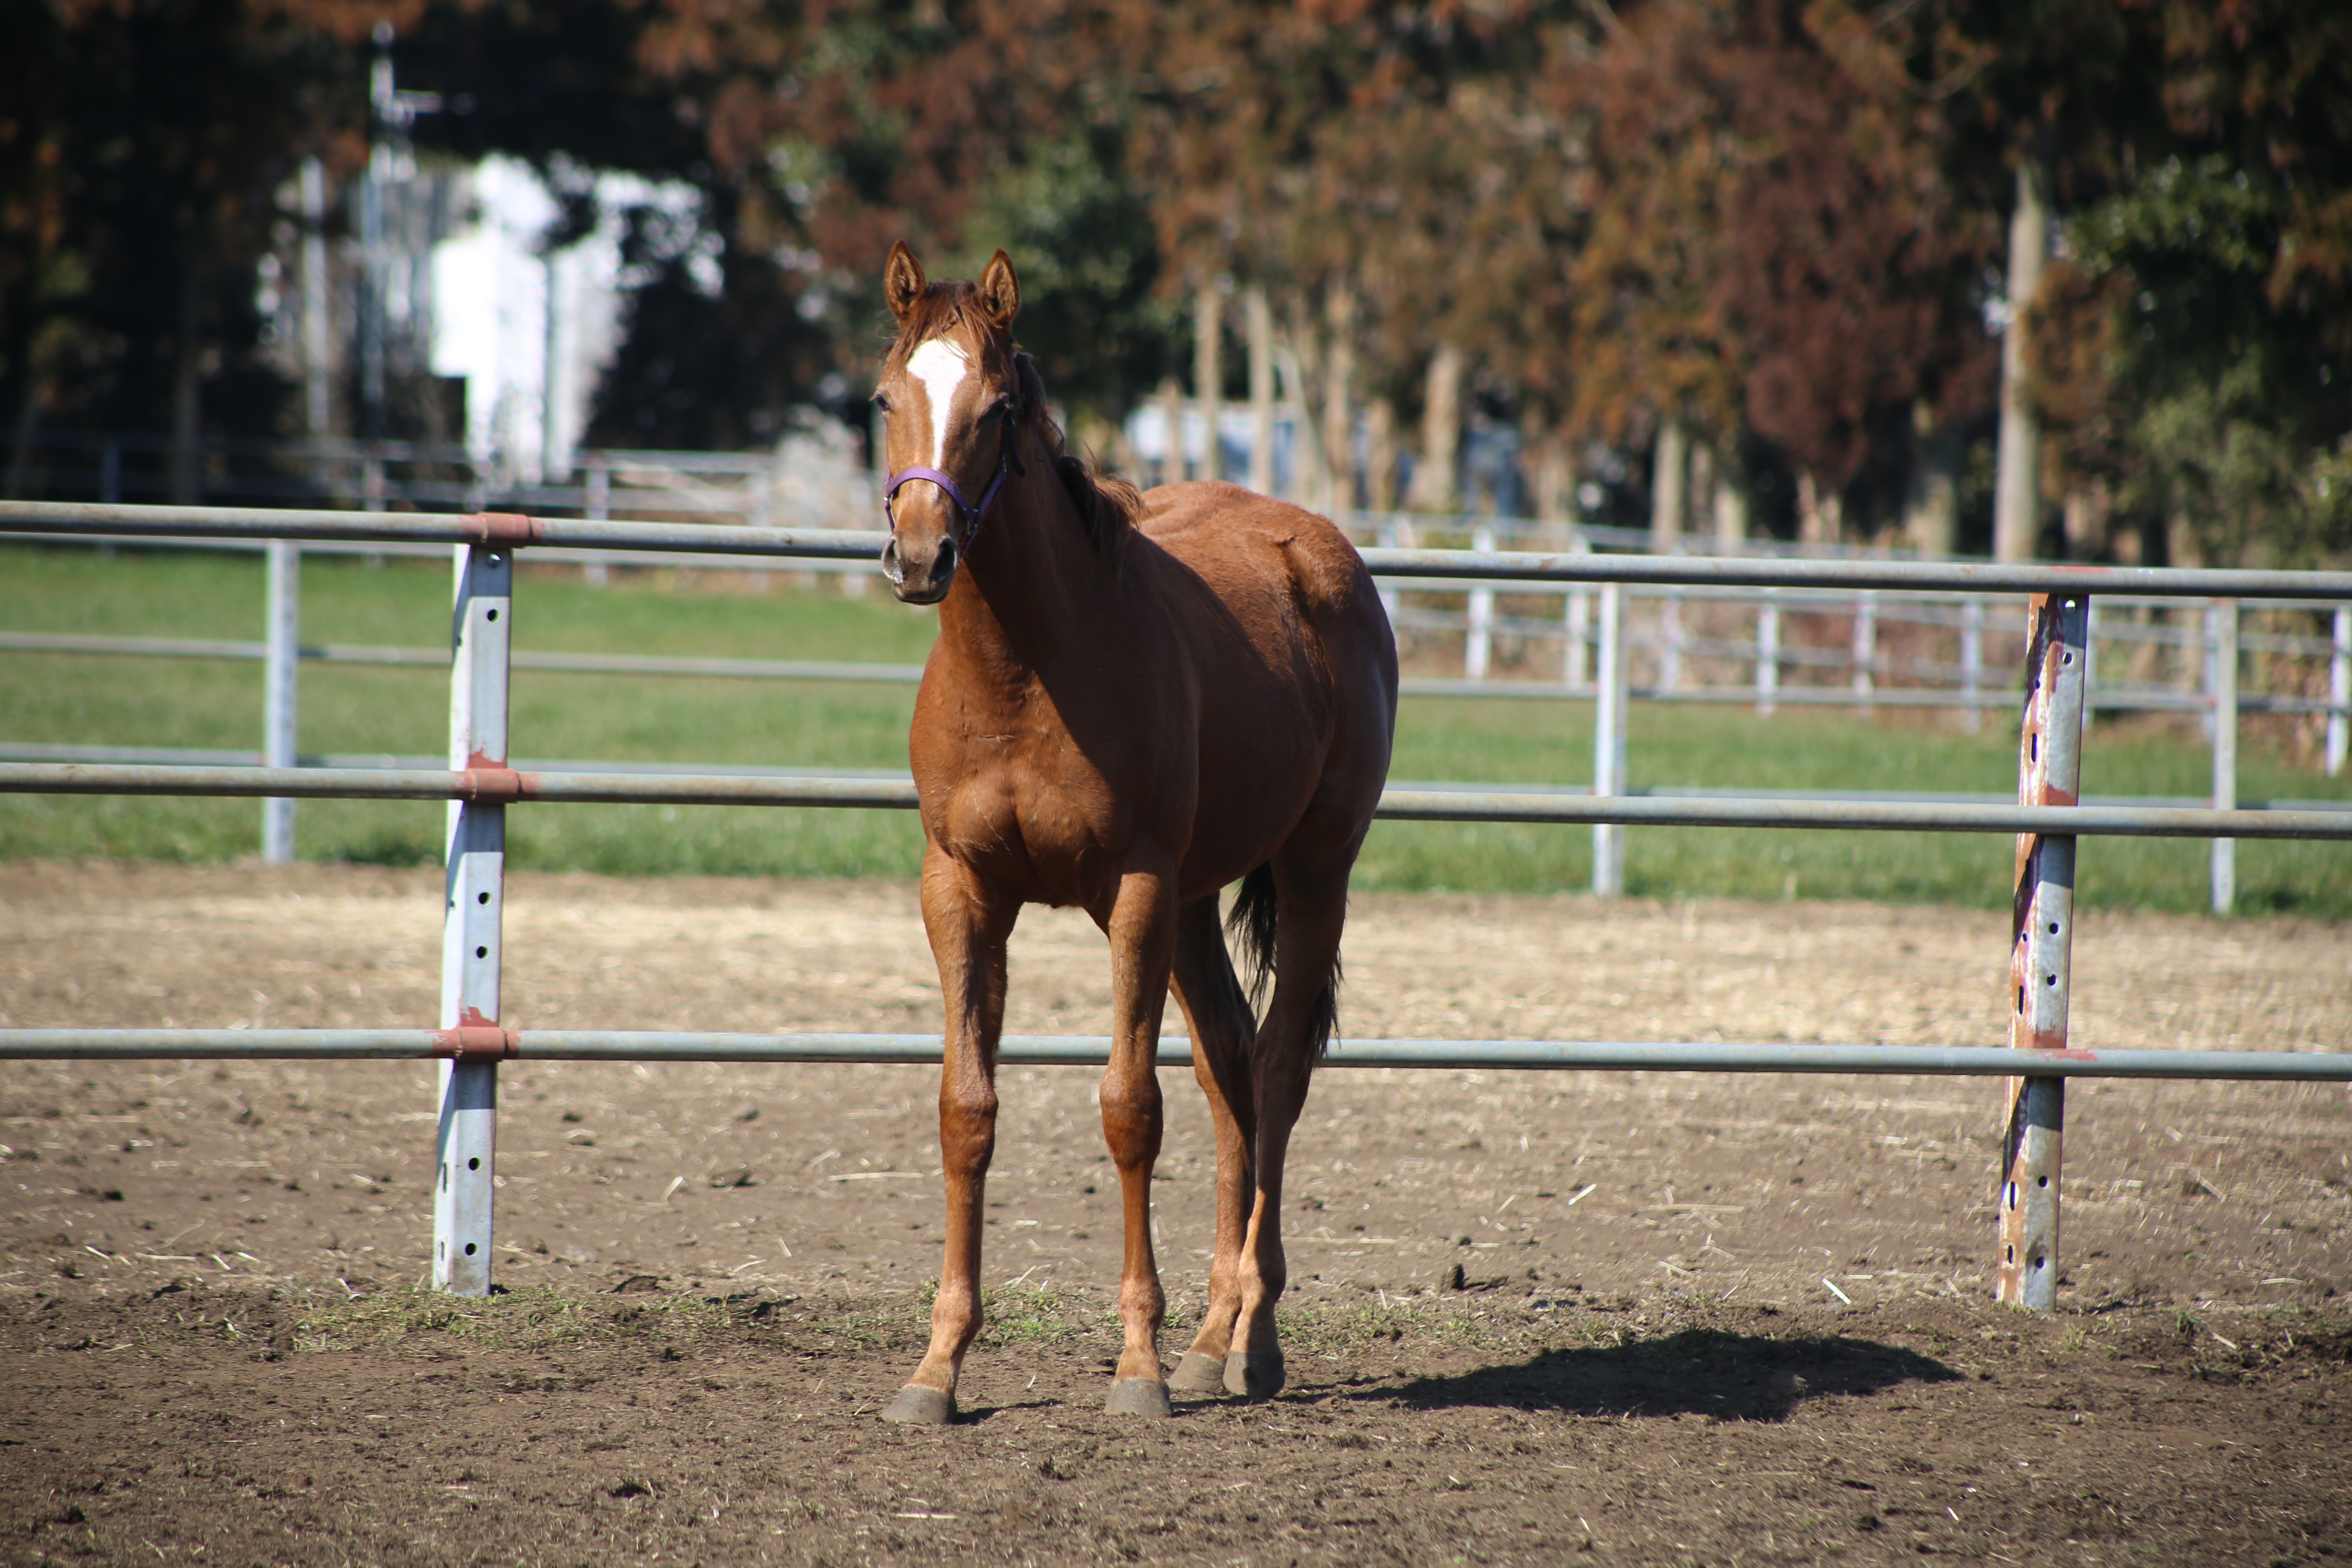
x=919, y=1407
x=1139, y=1396
x=1254, y=1375
x=1199, y=1374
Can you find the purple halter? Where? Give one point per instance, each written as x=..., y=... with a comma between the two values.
x=1006, y=460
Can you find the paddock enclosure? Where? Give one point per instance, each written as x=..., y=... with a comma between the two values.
x=1575, y=1286
x=1644, y=1352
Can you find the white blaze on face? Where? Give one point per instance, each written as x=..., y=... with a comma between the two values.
x=940, y=366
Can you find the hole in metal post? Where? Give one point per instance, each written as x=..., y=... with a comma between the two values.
x=2037, y=1262
x=2021, y=998
x=2041, y=1181
x=2009, y=1195
x=493, y=616
x=481, y=952
x=2009, y=1255
x=485, y=898
x=469, y=1252
x=2050, y=980
x=476, y=1163
x=445, y=1176
x=2053, y=925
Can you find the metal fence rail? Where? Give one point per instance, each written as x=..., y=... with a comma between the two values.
x=2048, y=816
x=1175, y=1051
x=509, y=785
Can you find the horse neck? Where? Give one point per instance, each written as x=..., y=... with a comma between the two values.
x=1032, y=580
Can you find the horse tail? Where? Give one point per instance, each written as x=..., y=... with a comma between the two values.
x=1254, y=921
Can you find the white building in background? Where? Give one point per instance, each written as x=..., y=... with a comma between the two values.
x=531, y=330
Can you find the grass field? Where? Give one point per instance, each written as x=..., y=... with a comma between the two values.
x=97, y=700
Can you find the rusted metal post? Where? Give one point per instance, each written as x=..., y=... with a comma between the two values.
x=2049, y=772
x=2225, y=748
x=283, y=652
x=465, y=1170
x=1609, y=740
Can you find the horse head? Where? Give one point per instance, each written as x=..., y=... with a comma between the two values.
x=952, y=391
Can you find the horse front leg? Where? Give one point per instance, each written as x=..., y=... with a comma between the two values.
x=968, y=928
x=1141, y=925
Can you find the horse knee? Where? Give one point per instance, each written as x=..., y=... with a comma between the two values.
x=1131, y=1118
x=967, y=1127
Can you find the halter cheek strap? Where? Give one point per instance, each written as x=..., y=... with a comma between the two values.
x=1007, y=460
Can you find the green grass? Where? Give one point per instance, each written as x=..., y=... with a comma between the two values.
x=127, y=701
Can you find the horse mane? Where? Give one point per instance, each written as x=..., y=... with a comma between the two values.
x=1108, y=507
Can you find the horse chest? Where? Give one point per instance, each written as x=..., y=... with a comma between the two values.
x=1051, y=833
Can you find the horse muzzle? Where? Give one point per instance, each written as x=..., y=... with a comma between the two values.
x=919, y=575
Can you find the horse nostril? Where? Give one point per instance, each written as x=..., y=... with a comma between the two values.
x=943, y=563
x=890, y=568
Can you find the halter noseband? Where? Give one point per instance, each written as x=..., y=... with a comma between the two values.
x=1007, y=460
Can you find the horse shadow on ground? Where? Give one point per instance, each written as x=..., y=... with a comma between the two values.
x=1732, y=1377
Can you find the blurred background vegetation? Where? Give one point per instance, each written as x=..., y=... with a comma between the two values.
x=1783, y=232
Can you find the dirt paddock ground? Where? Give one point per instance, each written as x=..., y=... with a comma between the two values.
x=1605, y=1316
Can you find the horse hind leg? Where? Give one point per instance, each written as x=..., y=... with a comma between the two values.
x=1222, y=1026
x=1312, y=910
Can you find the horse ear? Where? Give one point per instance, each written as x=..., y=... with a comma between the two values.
x=1000, y=291
x=902, y=280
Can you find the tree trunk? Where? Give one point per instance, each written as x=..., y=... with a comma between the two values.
x=2088, y=511
x=188, y=382
x=1171, y=419
x=1668, y=476
x=1208, y=375
x=1555, y=480
x=1258, y=316
x=1820, y=512
x=1931, y=508
x=1381, y=459
x=1729, y=506
x=1437, y=476
x=1299, y=351
x=2017, y=492
x=1339, y=394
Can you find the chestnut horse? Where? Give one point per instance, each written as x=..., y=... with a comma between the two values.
x=1134, y=701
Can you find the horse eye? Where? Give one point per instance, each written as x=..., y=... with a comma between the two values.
x=882, y=403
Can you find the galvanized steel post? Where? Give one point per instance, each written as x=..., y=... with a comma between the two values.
x=1972, y=620
x=1609, y=740
x=1767, y=651
x=281, y=640
x=1865, y=648
x=2049, y=772
x=2339, y=690
x=465, y=1170
x=2225, y=748
x=1478, y=637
